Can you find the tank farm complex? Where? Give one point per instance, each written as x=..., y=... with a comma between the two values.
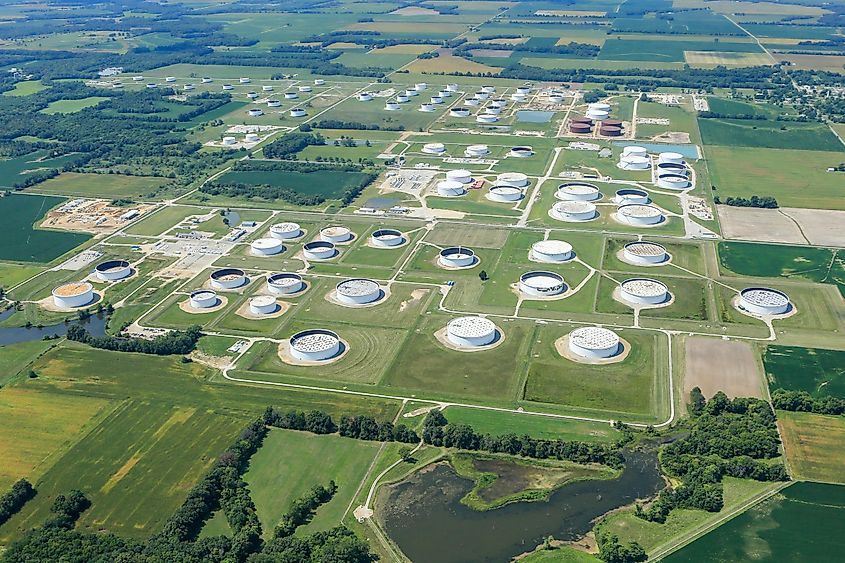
x=549, y=272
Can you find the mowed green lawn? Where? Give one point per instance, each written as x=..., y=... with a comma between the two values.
x=136, y=467
x=796, y=178
x=101, y=185
x=289, y=463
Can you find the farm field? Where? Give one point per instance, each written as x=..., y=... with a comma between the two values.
x=813, y=445
x=23, y=242
x=73, y=184
x=740, y=133
x=817, y=371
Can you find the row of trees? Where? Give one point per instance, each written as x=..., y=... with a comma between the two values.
x=302, y=510
x=292, y=143
x=801, y=401
x=361, y=427
x=174, y=342
x=762, y=202
x=11, y=502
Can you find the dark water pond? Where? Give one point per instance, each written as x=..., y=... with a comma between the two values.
x=426, y=519
x=96, y=325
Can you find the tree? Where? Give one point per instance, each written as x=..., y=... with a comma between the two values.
x=482, y=275
x=697, y=401
x=406, y=455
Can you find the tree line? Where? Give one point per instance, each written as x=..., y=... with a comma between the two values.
x=361, y=427
x=763, y=202
x=173, y=342
x=801, y=401
x=13, y=500
x=292, y=143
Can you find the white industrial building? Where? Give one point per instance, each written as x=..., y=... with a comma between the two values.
x=228, y=278
x=386, y=238
x=471, y=332
x=113, y=270
x=594, y=343
x=551, y=251
x=644, y=291
x=640, y=215
x=358, y=291
x=764, y=301
x=541, y=284
x=285, y=231
x=319, y=250
x=73, y=294
x=645, y=253
x=285, y=283
x=266, y=247
x=573, y=211
x=457, y=257
x=315, y=345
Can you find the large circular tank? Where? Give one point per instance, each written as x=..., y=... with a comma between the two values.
x=523, y=89
x=457, y=257
x=427, y=108
x=492, y=110
x=229, y=141
x=291, y=96
x=555, y=98
x=204, y=299
x=583, y=119
x=411, y=92
x=592, y=342
x=266, y=247
x=434, y=148
x=267, y=88
x=436, y=100
x=521, y=152
x=488, y=89
x=305, y=88
x=113, y=270
x=228, y=278
x=631, y=196
x=73, y=294
x=471, y=332
x=315, y=345
x=364, y=97
x=403, y=99
x=462, y=176
x=336, y=234
x=577, y=191
x=459, y=112
x=573, y=211
x=513, y=179
x=297, y=112
x=482, y=95
x=255, y=112
x=387, y=238
x=541, y=284
x=358, y=291
x=673, y=181
x=477, y=150
x=263, y=305
x=499, y=103
x=450, y=188
x=551, y=251
x=634, y=150
x=472, y=102
x=285, y=231
x=580, y=128
x=634, y=162
x=643, y=291
x=420, y=86
x=452, y=87
x=610, y=131
x=392, y=106
x=518, y=98
x=672, y=168
x=319, y=250
x=645, y=253
x=487, y=118
x=639, y=215
x=251, y=138
x=599, y=106
x=597, y=115
x=285, y=283
x=504, y=194
x=670, y=157
x=319, y=82
x=611, y=123
x=764, y=301
x=274, y=103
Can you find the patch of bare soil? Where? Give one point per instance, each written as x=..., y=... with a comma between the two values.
x=713, y=365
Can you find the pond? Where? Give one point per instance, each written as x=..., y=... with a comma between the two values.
x=424, y=515
x=534, y=116
x=95, y=324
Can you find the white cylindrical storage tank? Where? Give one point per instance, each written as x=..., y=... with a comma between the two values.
x=672, y=168
x=638, y=214
x=266, y=247
x=452, y=87
x=319, y=82
x=113, y=270
x=304, y=89
x=488, y=89
x=577, y=191
x=597, y=115
x=634, y=162
x=152, y=85
x=599, y=106
x=450, y=188
x=314, y=345
x=462, y=176
x=336, y=234
x=73, y=294
x=204, y=299
x=411, y=93
x=252, y=95
x=594, y=342
x=521, y=152
x=574, y=211
x=421, y=86
x=457, y=257
x=482, y=96
x=170, y=79
x=358, y=291
x=387, y=238
x=263, y=305
x=490, y=110
x=519, y=98
x=436, y=100
x=255, y=112
x=644, y=291
x=285, y=231
x=426, y=108
x=444, y=94
x=555, y=98
x=764, y=301
x=228, y=87
x=499, y=103
x=523, y=89
x=472, y=102
x=459, y=112
x=291, y=96
x=251, y=138
x=392, y=106
x=188, y=87
x=541, y=284
x=228, y=278
x=631, y=196
x=229, y=141
x=297, y=112
x=243, y=80
x=403, y=99
x=486, y=118
x=274, y=104
x=319, y=250
x=471, y=332
x=285, y=283
x=434, y=148
x=551, y=251
x=670, y=158
x=504, y=194
x=140, y=78
x=364, y=97
x=673, y=181
x=634, y=150
x=645, y=253
x=266, y=88
x=476, y=150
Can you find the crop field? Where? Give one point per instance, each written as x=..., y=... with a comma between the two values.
x=767, y=134
x=710, y=59
x=24, y=243
x=817, y=371
x=15, y=169
x=74, y=184
x=327, y=183
x=667, y=51
x=289, y=463
x=814, y=445
x=799, y=524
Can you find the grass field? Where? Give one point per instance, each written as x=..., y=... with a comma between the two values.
x=817, y=371
x=22, y=242
x=814, y=445
x=72, y=106
x=667, y=51
x=289, y=463
x=75, y=184
x=768, y=134
x=25, y=88
x=796, y=178
x=493, y=422
x=13, y=170
x=163, y=219
x=326, y=183
x=13, y=274
x=800, y=524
